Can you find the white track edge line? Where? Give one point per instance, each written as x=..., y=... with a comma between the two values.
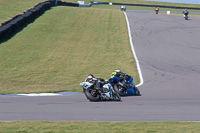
x=134, y=53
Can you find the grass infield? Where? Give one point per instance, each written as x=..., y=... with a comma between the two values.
x=99, y=127
x=64, y=45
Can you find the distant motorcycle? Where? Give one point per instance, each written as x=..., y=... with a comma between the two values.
x=123, y=8
x=186, y=16
x=156, y=10
x=124, y=85
x=106, y=93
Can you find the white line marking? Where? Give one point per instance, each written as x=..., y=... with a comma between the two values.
x=134, y=53
x=40, y=94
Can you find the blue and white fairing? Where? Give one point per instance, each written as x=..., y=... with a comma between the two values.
x=129, y=91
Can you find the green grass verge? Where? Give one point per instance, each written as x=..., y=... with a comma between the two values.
x=10, y=8
x=99, y=127
x=58, y=51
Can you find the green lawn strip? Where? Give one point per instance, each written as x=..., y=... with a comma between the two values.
x=10, y=8
x=64, y=45
x=99, y=127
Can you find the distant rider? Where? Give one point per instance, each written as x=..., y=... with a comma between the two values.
x=185, y=12
x=123, y=8
x=157, y=10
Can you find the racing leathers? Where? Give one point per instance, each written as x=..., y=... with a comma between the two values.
x=99, y=82
x=185, y=12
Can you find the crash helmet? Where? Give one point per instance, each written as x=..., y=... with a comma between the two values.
x=90, y=76
x=117, y=70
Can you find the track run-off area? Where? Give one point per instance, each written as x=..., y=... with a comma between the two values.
x=168, y=50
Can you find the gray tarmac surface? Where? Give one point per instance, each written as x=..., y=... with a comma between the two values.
x=168, y=48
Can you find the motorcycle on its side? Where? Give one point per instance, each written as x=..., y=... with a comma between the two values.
x=105, y=93
x=124, y=85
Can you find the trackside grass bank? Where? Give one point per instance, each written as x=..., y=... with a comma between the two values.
x=10, y=8
x=64, y=45
x=99, y=127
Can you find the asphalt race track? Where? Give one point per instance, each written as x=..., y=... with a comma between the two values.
x=168, y=48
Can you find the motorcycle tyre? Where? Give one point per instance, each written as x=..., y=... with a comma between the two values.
x=137, y=92
x=156, y=12
x=116, y=97
x=90, y=96
x=116, y=89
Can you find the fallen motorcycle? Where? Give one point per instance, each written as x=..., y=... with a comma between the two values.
x=124, y=85
x=100, y=90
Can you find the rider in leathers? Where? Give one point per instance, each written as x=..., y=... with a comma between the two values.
x=97, y=81
x=117, y=73
x=186, y=12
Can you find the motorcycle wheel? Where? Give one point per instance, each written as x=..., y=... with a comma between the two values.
x=116, y=97
x=92, y=94
x=119, y=89
x=137, y=92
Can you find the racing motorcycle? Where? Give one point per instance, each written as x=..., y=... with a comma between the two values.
x=100, y=90
x=186, y=16
x=156, y=11
x=124, y=85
